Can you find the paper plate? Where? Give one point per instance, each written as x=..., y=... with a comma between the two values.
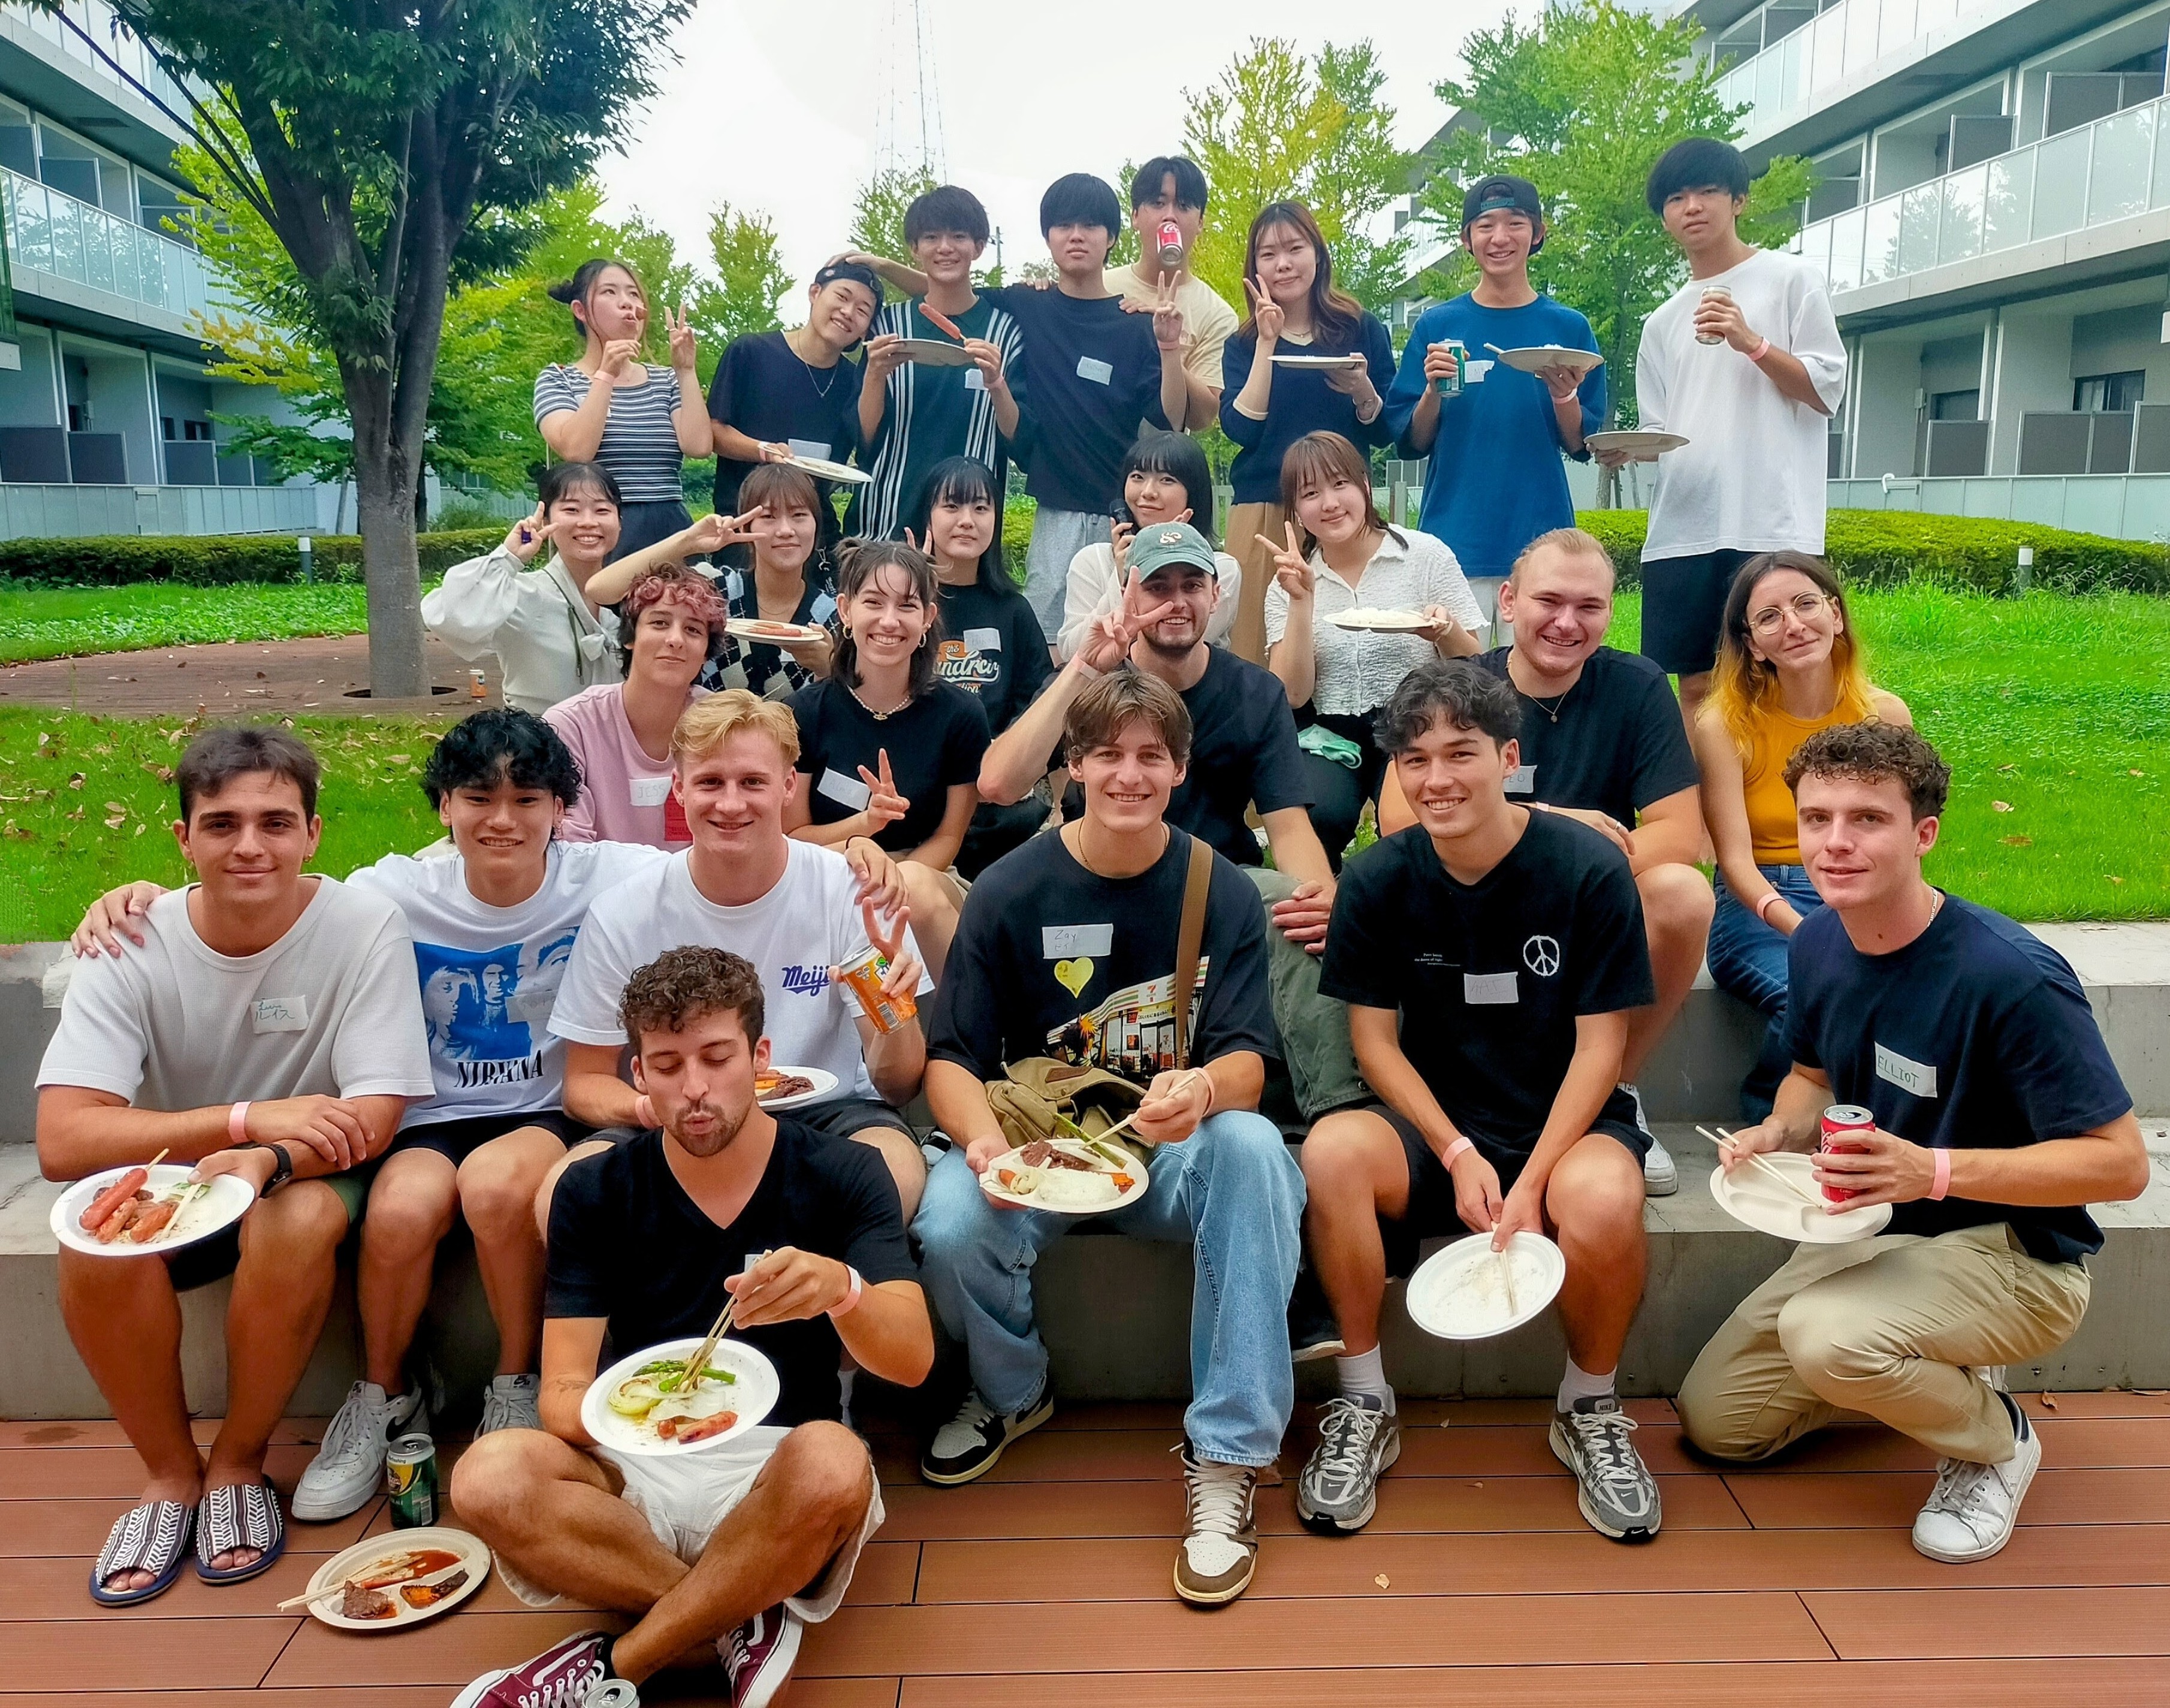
x=824, y=1084
x=1141, y=1182
x=760, y=628
x=1533, y=358
x=1461, y=1293
x=1318, y=361
x=754, y=1398
x=822, y=469
x=210, y=1213
x=1751, y=1196
x=934, y=351
x=1639, y=446
x=474, y=1561
x=1363, y=619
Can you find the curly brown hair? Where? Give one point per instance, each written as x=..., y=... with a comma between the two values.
x=679, y=985
x=676, y=584
x=1871, y=752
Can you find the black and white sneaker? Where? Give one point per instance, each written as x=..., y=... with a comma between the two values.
x=1314, y=1333
x=1661, y=1175
x=1358, y=1438
x=1613, y=1488
x=968, y=1445
x=1970, y=1513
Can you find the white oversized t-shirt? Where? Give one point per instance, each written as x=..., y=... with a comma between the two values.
x=1752, y=477
x=489, y=975
x=808, y=923
x=329, y=1009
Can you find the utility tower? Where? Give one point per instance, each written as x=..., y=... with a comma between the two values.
x=908, y=107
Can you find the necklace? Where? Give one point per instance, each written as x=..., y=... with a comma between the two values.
x=820, y=386
x=879, y=717
x=1083, y=824
x=1553, y=711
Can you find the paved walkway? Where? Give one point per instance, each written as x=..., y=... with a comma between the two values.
x=313, y=675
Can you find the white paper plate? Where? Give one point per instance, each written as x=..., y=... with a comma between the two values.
x=1750, y=1195
x=1373, y=620
x=1459, y=1292
x=936, y=352
x=762, y=632
x=1318, y=361
x=213, y=1212
x=822, y=469
x=1533, y=358
x=824, y=1082
x=756, y=1395
x=1639, y=446
x=1140, y=1185
x=474, y=1561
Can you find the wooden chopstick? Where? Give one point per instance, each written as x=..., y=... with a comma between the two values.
x=340, y=1588
x=1110, y=1132
x=1724, y=1140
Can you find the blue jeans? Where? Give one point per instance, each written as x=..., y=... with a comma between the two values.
x=1231, y=1190
x=1748, y=958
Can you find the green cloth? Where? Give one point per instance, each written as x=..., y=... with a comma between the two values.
x=1317, y=738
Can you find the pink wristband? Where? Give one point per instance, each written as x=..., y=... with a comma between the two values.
x=851, y=1298
x=1454, y=1150
x=236, y=1123
x=1762, y=907
x=1942, y=1183
x=1760, y=351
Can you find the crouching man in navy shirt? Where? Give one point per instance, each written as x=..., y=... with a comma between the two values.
x=1999, y=1118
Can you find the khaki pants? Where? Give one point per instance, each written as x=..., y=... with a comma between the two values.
x=1246, y=522
x=1894, y=1327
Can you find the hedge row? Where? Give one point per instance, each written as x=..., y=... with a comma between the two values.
x=214, y=560
x=1881, y=548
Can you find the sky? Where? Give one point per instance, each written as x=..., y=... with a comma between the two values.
x=778, y=106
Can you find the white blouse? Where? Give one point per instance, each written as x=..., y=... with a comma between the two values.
x=549, y=645
x=1355, y=673
x=1093, y=590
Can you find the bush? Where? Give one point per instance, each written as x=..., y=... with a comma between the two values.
x=214, y=560
x=1885, y=548
x=1016, y=534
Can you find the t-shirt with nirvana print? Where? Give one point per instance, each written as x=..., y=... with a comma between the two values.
x=1050, y=959
x=933, y=744
x=1976, y=1036
x=769, y=671
x=930, y=412
x=1490, y=976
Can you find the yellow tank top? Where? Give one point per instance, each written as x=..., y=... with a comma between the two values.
x=1771, y=826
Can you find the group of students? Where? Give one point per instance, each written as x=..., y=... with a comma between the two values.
x=664, y=849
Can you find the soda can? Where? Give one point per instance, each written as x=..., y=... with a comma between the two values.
x=478, y=689
x=1450, y=384
x=1723, y=295
x=1841, y=1122
x=1169, y=237
x=862, y=975
x=410, y=1474
x=613, y=1693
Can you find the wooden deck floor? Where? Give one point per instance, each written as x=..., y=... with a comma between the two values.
x=1047, y=1584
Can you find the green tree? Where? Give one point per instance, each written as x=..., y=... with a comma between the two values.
x=750, y=278
x=1276, y=125
x=877, y=213
x=1582, y=101
x=387, y=147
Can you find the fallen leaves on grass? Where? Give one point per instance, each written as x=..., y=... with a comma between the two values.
x=2017, y=841
x=1999, y=806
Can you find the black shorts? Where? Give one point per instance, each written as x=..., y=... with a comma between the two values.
x=458, y=1140
x=842, y=1117
x=1683, y=608
x=1431, y=1208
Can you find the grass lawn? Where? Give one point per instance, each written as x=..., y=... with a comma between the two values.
x=54, y=622
x=2054, y=713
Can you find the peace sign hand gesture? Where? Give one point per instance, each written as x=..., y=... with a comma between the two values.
x=1267, y=316
x=683, y=351
x=527, y=535
x=1168, y=317
x=1298, y=578
x=885, y=805
x=714, y=531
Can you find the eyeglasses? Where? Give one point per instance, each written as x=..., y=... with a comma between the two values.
x=1807, y=606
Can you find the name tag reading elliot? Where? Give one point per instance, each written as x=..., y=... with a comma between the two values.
x=1061, y=942
x=1918, y=1078
x=847, y=791
x=280, y=1014
x=1481, y=988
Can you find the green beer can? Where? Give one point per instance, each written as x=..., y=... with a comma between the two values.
x=410, y=1473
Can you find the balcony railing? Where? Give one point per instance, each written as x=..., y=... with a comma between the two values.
x=114, y=39
x=1816, y=59
x=2109, y=170
x=54, y=233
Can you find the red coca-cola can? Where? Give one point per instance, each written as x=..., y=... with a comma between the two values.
x=1170, y=239
x=1842, y=1124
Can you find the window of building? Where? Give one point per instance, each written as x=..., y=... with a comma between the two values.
x=1955, y=406
x=2096, y=393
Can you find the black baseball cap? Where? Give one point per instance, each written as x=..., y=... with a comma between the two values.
x=854, y=272
x=1501, y=193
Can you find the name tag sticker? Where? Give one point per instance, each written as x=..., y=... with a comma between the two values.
x=818, y=448
x=1061, y=942
x=1471, y=372
x=1481, y=990
x=649, y=791
x=1522, y=780
x=983, y=640
x=1093, y=369
x=1918, y=1078
x=281, y=1014
x=844, y=791
x=975, y=381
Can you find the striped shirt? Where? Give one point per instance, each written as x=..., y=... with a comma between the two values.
x=640, y=442
x=932, y=413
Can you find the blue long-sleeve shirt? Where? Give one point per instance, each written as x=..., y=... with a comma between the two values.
x=1301, y=403
x=1495, y=482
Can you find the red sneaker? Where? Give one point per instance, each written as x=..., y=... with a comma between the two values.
x=758, y=1655
x=562, y=1676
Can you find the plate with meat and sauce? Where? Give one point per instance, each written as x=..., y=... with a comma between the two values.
x=1069, y=1177
x=389, y=1582
x=790, y=1087
x=155, y=1207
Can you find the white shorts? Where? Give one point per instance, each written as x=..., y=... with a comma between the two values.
x=686, y=1499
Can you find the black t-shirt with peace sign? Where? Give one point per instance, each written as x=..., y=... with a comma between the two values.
x=933, y=743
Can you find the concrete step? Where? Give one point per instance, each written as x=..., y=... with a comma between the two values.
x=1115, y=1312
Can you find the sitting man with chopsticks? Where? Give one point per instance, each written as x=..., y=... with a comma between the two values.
x=1999, y=1118
x=739, y=1544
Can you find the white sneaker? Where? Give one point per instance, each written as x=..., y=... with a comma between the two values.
x=1661, y=1178
x=350, y=1463
x=1973, y=1507
x=511, y=1402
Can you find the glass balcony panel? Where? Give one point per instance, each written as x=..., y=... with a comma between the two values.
x=1879, y=242
x=1830, y=49
x=1895, y=25
x=2060, y=183
x=1770, y=96
x=67, y=238
x=1846, y=232
x=1934, y=14
x=1793, y=81
x=1960, y=233
x=1921, y=209
x=1814, y=245
x=127, y=248
x=1860, y=35
x=33, y=222
x=2008, y=211
x=157, y=276
x=2124, y=149
x=97, y=250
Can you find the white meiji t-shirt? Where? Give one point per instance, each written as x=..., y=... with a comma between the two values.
x=1752, y=477
x=807, y=923
x=329, y=1009
x=489, y=975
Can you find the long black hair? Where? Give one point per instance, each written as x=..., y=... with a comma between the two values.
x=965, y=480
x=576, y=288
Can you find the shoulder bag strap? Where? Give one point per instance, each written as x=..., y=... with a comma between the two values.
x=1189, y=938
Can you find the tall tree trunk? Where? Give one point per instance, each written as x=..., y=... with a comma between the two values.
x=384, y=479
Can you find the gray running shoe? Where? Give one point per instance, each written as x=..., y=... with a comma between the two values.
x=1613, y=1488
x=1340, y=1488
x=511, y=1402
